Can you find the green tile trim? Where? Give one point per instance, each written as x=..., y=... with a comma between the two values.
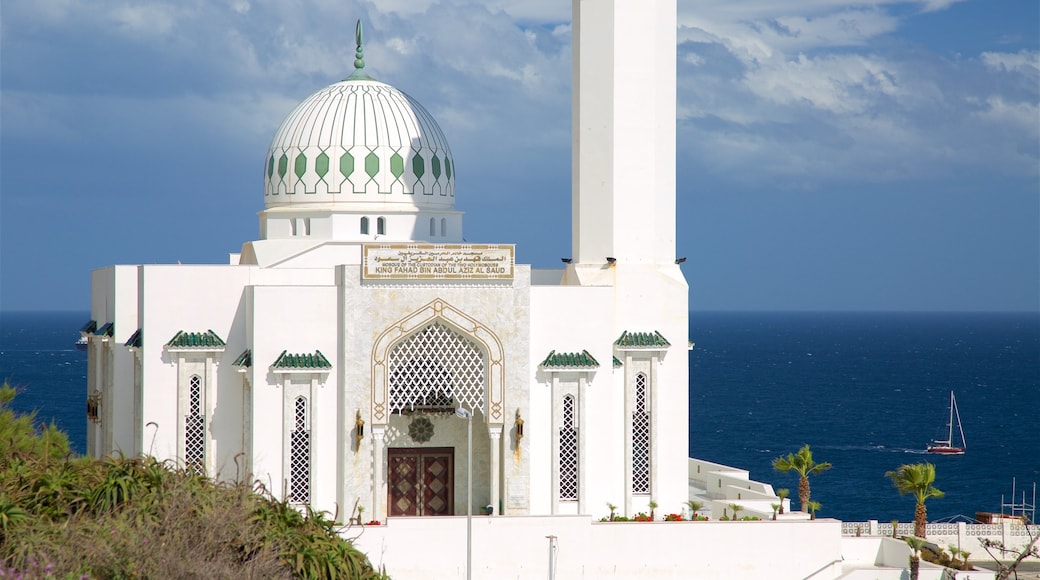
x=617, y=364
x=300, y=166
x=570, y=360
x=418, y=167
x=244, y=360
x=109, y=329
x=397, y=165
x=642, y=340
x=283, y=165
x=208, y=339
x=321, y=165
x=435, y=164
x=89, y=327
x=372, y=165
x=135, y=339
x=306, y=361
x=346, y=165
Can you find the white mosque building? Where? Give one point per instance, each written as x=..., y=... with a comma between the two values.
x=328, y=358
x=362, y=353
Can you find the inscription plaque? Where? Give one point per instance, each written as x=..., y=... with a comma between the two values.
x=438, y=262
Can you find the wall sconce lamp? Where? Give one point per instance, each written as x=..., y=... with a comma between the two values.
x=519, y=426
x=566, y=260
x=359, y=427
x=680, y=260
x=611, y=259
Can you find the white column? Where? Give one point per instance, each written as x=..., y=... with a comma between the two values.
x=583, y=381
x=378, y=489
x=652, y=386
x=495, y=432
x=554, y=438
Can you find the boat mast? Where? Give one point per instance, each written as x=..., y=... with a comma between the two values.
x=960, y=427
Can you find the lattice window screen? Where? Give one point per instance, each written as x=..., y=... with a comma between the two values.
x=568, y=452
x=195, y=428
x=436, y=367
x=300, y=455
x=641, y=440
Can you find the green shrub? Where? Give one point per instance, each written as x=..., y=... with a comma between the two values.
x=125, y=518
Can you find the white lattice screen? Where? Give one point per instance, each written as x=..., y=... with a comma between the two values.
x=195, y=428
x=436, y=367
x=640, y=439
x=568, y=452
x=300, y=455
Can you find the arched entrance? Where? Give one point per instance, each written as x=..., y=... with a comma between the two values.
x=424, y=367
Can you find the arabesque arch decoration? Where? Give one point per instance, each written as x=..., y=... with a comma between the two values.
x=452, y=319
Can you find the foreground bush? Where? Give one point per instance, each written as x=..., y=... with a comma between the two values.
x=63, y=516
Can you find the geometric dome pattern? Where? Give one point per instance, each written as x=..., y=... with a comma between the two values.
x=359, y=141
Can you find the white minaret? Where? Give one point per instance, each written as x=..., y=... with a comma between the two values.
x=624, y=222
x=623, y=110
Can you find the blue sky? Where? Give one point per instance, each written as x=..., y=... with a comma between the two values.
x=832, y=154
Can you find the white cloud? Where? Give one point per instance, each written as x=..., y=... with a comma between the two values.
x=1025, y=61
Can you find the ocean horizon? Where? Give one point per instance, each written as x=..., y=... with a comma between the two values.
x=866, y=390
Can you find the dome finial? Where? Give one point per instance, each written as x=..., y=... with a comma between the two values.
x=359, y=57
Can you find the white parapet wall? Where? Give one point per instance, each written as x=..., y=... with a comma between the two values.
x=961, y=535
x=507, y=547
x=877, y=558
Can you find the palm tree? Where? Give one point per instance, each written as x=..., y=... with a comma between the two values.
x=802, y=463
x=813, y=506
x=736, y=507
x=694, y=505
x=915, y=556
x=782, y=493
x=917, y=479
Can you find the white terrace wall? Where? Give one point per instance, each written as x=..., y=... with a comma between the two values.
x=961, y=535
x=878, y=558
x=506, y=547
x=724, y=485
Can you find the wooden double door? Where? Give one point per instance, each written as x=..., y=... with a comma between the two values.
x=422, y=481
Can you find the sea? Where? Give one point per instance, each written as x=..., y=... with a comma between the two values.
x=866, y=391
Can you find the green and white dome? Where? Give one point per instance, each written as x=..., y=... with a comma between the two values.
x=359, y=141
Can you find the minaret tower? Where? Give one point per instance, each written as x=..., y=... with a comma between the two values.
x=623, y=220
x=623, y=111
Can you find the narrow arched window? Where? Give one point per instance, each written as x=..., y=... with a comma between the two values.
x=292, y=226
x=433, y=227
x=364, y=226
x=568, y=452
x=641, y=443
x=300, y=454
x=195, y=428
x=381, y=226
x=444, y=227
x=306, y=226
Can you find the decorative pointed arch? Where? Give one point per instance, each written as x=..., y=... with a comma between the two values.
x=454, y=319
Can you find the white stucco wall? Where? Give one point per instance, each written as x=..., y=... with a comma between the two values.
x=518, y=547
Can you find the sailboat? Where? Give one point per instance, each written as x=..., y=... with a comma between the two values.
x=946, y=446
